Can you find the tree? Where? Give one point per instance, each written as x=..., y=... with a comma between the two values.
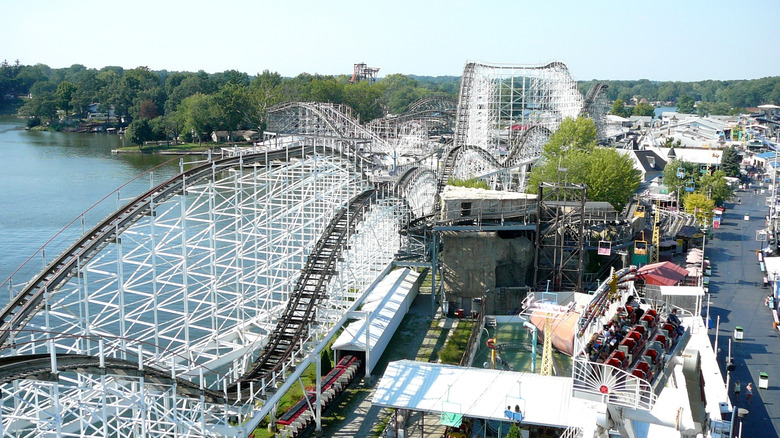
x=65, y=92
x=194, y=114
x=326, y=89
x=232, y=108
x=514, y=432
x=678, y=173
x=715, y=187
x=700, y=206
x=266, y=91
x=400, y=91
x=573, y=135
x=148, y=110
x=364, y=97
x=191, y=84
x=730, y=162
x=685, y=104
x=644, y=109
x=42, y=105
x=619, y=108
x=140, y=131
x=610, y=176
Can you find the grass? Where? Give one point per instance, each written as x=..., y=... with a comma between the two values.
x=456, y=344
x=182, y=147
x=381, y=423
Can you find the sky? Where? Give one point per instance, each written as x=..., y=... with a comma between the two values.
x=683, y=40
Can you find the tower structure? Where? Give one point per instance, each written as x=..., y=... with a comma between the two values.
x=559, y=235
x=363, y=72
x=509, y=111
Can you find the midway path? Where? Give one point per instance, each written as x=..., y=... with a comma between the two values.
x=737, y=297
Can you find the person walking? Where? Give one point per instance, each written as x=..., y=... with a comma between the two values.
x=749, y=391
x=737, y=388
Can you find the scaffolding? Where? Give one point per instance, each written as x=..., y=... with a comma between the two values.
x=182, y=287
x=510, y=111
x=363, y=72
x=559, y=236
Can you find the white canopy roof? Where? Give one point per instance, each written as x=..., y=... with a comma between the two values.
x=772, y=265
x=384, y=302
x=482, y=393
x=688, y=291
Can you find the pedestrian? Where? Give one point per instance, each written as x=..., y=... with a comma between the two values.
x=737, y=388
x=749, y=391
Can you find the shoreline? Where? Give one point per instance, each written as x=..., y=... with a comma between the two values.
x=159, y=152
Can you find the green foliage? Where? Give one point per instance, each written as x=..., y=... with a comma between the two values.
x=231, y=108
x=400, y=91
x=573, y=135
x=140, y=131
x=609, y=175
x=689, y=171
x=42, y=105
x=644, y=109
x=195, y=115
x=455, y=347
x=65, y=92
x=326, y=361
x=715, y=187
x=473, y=183
x=234, y=99
x=619, y=108
x=730, y=162
x=669, y=142
x=514, y=432
x=700, y=206
x=734, y=94
x=32, y=122
x=685, y=104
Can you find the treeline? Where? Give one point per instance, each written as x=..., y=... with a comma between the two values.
x=702, y=97
x=159, y=105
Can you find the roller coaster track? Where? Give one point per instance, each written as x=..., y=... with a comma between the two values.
x=431, y=103
x=285, y=118
x=21, y=308
x=440, y=109
x=452, y=158
x=518, y=153
x=309, y=290
x=462, y=114
x=39, y=367
x=407, y=179
x=590, y=99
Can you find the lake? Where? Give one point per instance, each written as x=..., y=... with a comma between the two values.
x=48, y=179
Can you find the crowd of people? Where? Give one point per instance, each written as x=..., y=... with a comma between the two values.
x=603, y=343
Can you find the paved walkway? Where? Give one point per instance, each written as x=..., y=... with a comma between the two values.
x=737, y=297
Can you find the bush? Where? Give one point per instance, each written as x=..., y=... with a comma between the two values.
x=453, y=350
x=473, y=183
x=33, y=122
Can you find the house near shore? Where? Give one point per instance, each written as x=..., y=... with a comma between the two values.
x=220, y=136
x=94, y=113
x=241, y=135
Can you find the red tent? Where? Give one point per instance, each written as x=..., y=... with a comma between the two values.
x=662, y=274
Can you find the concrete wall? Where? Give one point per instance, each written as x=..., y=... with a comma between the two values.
x=473, y=262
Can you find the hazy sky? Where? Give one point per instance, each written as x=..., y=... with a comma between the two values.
x=679, y=40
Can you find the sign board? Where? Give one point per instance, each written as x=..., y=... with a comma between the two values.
x=761, y=235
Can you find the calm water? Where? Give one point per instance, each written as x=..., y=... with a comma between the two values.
x=48, y=179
